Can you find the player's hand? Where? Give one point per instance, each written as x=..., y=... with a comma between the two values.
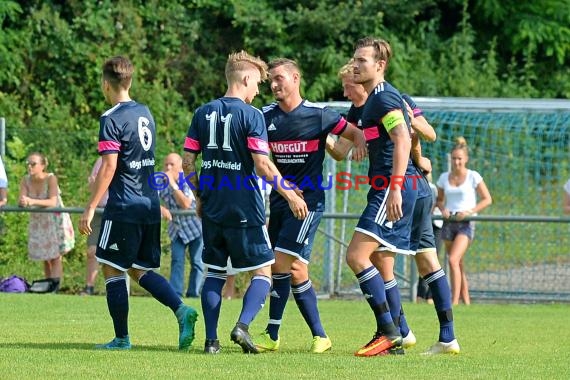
x=291, y=186
x=85, y=221
x=298, y=207
x=425, y=165
x=394, y=205
x=359, y=151
x=445, y=213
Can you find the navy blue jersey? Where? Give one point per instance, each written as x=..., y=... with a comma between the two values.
x=424, y=189
x=227, y=131
x=415, y=109
x=354, y=115
x=383, y=99
x=128, y=129
x=297, y=142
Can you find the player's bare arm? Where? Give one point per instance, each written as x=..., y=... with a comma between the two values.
x=338, y=149
x=402, y=144
x=266, y=169
x=356, y=136
x=100, y=186
x=189, y=168
x=421, y=125
x=423, y=163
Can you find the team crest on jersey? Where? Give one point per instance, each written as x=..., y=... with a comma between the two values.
x=271, y=127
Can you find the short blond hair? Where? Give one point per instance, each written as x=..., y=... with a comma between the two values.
x=347, y=71
x=242, y=61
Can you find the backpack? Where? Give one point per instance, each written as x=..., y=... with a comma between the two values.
x=14, y=284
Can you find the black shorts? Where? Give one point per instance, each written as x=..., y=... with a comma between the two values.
x=129, y=245
x=248, y=247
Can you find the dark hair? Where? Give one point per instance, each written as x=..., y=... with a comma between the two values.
x=118, y=71
x=291, y=64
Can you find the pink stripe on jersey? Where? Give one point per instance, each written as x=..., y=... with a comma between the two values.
x=371, y=133
x=294, y=146
x=339, y=128
x=417, y=112
x=257, y=145
x=109, y=145
x=191, y=144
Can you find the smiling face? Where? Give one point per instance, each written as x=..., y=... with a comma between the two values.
x=284, y=82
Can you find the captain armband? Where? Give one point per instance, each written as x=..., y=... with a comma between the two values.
x=393, y=119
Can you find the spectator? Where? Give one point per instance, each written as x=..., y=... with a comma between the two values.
x=92, y=239
x=185, y=231
x=567, y=197
x=457, y=192
x=45, y=242
x=3, y=184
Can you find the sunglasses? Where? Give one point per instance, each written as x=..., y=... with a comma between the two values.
x=32, y=164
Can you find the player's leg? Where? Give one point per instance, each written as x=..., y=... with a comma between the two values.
x=306, y=299
x=215, y=258
x=358, y=254
x=430, y=269
x=92, y=266
x=268, y=340
x=148, y=258
x=116, y=257
x=384, y=261
x=251, y=251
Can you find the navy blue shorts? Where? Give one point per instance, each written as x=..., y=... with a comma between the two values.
x=392, y=236
x=292, y=236
x=451, y=229
x=248, y=247
x=422, y=238
x=129, y=245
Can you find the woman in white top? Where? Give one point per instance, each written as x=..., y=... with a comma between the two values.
x=567, y=197
x=457, y=192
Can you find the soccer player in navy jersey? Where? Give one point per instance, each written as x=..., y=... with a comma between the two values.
x=422, y=236
x=129, y=241
x=232, y=138
x=297, y=130
x=386, y=221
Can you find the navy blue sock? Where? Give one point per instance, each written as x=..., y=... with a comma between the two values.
x=254, y=298
x=306, y=300
x=118, y=303
x=372, y=287
x=212, y=301
x=437, y=282
x=277, y=301
x=160, y=289
x=395, y=303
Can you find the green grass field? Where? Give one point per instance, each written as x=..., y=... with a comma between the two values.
x=52, y=336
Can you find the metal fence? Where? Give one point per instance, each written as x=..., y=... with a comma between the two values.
x=521, y=250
